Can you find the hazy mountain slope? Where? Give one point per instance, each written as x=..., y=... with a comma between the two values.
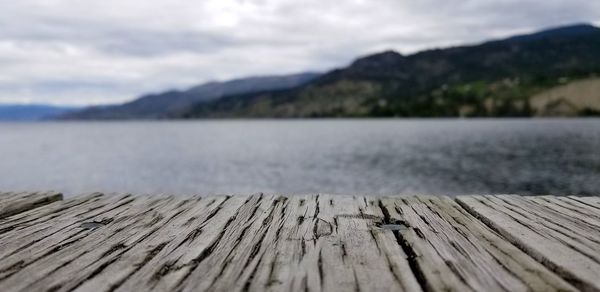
x=172, y=103
x=571, y=30
x=36, y=112
x=496, y=78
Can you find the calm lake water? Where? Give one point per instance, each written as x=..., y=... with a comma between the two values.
x=327, y=156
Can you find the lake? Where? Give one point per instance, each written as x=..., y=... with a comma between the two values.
x=392, y=156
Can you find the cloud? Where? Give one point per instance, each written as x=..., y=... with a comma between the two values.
x=88, y=52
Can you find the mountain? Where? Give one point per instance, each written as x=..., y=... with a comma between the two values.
x=496, y=78
x=17, y=112
x=174, y=103
x=572, y=30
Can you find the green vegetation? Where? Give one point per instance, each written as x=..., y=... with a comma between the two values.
x=506, y=98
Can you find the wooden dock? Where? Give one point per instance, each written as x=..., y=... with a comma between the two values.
x=298, y=243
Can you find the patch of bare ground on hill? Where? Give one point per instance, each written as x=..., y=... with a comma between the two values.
x=581, y=97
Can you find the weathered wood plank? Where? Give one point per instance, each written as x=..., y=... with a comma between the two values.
x=49, y=212
x=593, y=202
x=363, y=246
x=558, y=218
x=24, y=244
x=332, y=243
x=126, y=245
x=457, y=252
x=582, y=213
x=544, y=244
x=580, y=237
x=235, y=249
x=281, y=255
x=391, y=252
x=300, y=243
x=519, y=264
x=171, y=254
x=101, y=243
x=15, y=203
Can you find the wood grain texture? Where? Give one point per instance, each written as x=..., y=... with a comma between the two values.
x=457, y=252
x=115, y=242
x=14, y=203
x=561, y=250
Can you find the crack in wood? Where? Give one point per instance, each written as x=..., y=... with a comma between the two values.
x=266, y=223
x=320, y=267
x=149, y=256
x=371, y=232
x=344, y=251
x=215, y=211
x=317, y=208
x=411, y=255
x=206, y=252
x=356, y=284
x=113, y=249
x=271, y=277
x=50, y=252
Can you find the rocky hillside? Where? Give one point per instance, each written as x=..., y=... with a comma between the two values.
x=497, y=78
x=577, y=98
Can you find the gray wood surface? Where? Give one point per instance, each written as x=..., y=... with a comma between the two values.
x=544, y=237
x=15, y=203
x=114, y=242
x=460, y=253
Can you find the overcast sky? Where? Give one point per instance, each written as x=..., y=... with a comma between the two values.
x=103, y=51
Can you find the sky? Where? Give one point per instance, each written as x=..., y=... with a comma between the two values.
x=89, y=52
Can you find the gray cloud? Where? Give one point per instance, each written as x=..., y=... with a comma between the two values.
x=86, y=52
